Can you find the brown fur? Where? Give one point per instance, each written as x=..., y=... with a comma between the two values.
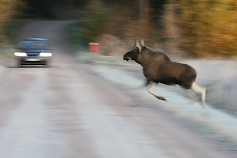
x=158, y=68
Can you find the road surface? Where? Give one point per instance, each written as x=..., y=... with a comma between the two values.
x=69, y=111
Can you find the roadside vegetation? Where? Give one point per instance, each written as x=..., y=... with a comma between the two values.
x=184, y=28
x=193, y=28
x=80, y=43
x=9, y=25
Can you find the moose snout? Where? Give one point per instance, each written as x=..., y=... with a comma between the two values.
x=125, y=57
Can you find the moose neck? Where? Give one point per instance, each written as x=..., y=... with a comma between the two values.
x=138, y=58
x=142, y=55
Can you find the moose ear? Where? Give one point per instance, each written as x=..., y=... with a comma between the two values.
x=138, y=46
x=142, y=43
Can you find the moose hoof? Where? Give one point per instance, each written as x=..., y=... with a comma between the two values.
x=161, y=98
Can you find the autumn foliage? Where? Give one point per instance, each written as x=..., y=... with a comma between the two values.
x=200, y=28
x=197, y=28
x=8, y=8
x=208, y=27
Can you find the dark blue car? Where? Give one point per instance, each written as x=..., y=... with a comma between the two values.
x=33, y=51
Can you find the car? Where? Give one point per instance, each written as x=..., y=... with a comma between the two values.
x=33, y=51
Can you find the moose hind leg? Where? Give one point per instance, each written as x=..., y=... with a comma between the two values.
x=152, y=93
x=200, y=90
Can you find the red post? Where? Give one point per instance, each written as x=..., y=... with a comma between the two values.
x=94, y=47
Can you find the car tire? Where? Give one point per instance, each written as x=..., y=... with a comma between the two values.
x=19, y=63
x=46, y=63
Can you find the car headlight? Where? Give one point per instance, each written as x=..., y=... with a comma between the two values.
x=20, y=54
x=45, y=54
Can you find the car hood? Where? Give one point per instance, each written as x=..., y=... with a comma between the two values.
x=35, y=50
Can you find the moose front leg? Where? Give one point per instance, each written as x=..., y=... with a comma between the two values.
x=201, y=91
x=145, y=84
x=152, y=93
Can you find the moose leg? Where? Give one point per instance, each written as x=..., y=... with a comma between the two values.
x=151, y=92
x=144, y=85
x=200, y=90
x=192, y=95
x=147, y=82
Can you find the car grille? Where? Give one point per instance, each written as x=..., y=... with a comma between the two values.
x=32, y=54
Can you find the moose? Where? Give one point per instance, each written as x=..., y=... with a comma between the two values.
x=159, y=68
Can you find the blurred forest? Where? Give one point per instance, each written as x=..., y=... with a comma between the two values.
x=8, y=10
x=197, y=28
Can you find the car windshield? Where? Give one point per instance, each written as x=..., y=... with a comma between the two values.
x=33, y=44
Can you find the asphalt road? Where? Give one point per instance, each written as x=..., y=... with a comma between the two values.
x=67, y=111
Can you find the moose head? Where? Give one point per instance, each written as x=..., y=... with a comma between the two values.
x=135, y=52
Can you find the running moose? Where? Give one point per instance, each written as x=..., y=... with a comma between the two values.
x=158, y=68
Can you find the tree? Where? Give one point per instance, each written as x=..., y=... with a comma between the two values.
x=8, y=8
x=208, y=27
x=96, y=20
